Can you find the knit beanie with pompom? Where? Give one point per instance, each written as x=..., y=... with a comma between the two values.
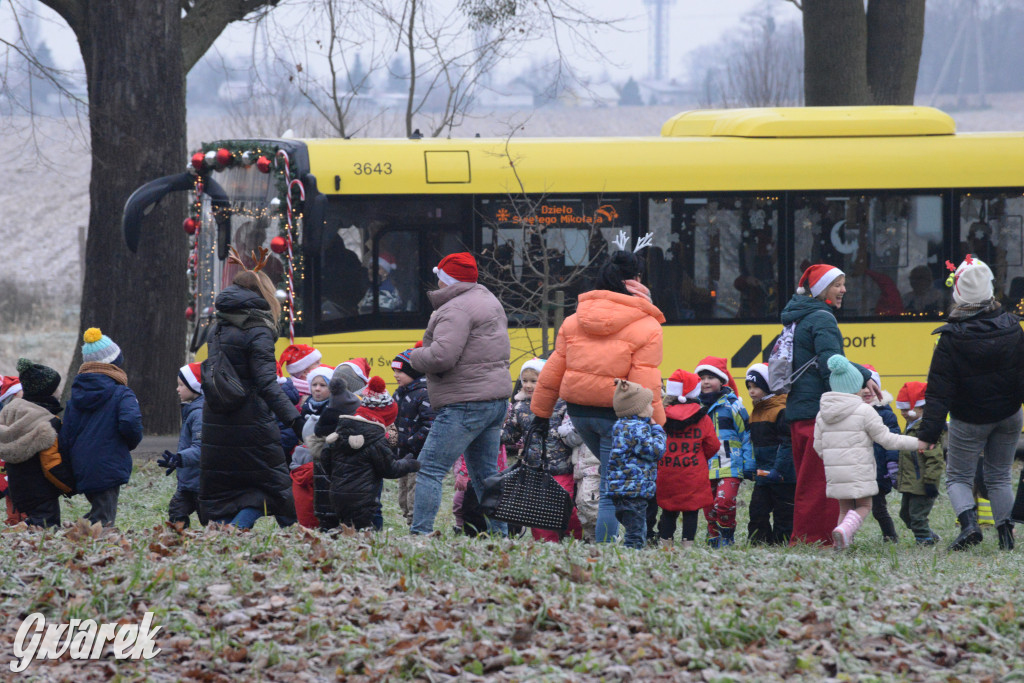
x=377, y=402
x=99, y=348
x=845, y=378
x=37, y=381
x=632, y=399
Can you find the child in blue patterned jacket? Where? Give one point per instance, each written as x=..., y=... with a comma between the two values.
x=637, y=446
x=734, y=461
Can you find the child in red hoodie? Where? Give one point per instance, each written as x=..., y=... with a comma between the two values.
x=683, y=471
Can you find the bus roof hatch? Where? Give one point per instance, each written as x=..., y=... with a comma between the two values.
x=810, y=122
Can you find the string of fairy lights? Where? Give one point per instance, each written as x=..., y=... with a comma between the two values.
x=283, y=210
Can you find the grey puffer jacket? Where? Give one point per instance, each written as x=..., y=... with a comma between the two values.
x=466, y=347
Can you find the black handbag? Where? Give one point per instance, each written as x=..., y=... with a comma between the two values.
x=223, y=390
x=526, y=495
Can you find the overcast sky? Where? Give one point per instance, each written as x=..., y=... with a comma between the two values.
x=693, y=23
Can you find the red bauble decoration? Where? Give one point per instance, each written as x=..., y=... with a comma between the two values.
x=190, y=313
x=279, y=245
x=190, y=226
x=263, y=164
x=223, y=157
x=197, y=161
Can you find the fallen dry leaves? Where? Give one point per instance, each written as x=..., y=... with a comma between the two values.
x=298, y=605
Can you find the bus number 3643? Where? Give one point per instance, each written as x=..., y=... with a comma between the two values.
x=369, y=168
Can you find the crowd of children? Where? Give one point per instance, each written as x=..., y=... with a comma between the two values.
x=353, y=434
x=86, y=452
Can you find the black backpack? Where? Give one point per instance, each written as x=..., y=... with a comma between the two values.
x=223, y=390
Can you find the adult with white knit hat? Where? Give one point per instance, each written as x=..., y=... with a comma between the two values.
x=465, y=357
x=820, y=291
x=977, y=378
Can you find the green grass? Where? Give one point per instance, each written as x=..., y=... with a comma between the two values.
x=291, y=604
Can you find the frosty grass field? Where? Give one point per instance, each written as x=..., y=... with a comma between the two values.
x=298, y=605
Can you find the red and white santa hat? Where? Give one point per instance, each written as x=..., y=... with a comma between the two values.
x=9, y=386
x=683, y=384
x=361, y=367
x=718, y=367
x=386, y=261
x=874, y=374
x=459, y=267
x=911, y=395
x=297, y=358
x=325, y=371
x=190, y=375
x=818, y=277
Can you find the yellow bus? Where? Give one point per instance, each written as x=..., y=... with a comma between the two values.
x=738, y=202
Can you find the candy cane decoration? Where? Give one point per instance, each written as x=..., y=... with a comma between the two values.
x=289, y=184
x=194, y=261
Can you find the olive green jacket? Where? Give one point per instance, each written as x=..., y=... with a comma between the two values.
x=917, y=469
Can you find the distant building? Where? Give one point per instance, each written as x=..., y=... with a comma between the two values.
x=667, y=92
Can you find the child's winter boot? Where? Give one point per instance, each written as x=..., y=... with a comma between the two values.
x=970, y=532
x=1005, y=535
x=842, y=535
x=728, y=538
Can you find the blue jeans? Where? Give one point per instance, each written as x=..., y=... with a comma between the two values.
x=473, y=429
x=596, y=433
x=246, y=519
x=632, y=512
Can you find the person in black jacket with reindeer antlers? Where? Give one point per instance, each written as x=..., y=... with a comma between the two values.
x=243, y=474
x=977, y=377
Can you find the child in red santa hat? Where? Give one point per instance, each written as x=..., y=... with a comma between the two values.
x=683, y=470
x=299, y=360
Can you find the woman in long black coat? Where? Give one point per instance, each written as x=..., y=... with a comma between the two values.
x=243, y=472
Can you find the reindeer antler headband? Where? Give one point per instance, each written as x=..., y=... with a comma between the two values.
x=622, y=241
x=259, y=259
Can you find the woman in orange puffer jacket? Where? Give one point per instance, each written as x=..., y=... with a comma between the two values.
x=615, y=333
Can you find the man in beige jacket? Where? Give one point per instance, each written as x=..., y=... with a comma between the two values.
x=465, y=357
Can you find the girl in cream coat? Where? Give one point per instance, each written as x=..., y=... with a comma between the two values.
x=844, y=433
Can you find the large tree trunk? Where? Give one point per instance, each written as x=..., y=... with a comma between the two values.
x=835, y=53
x=895, y=37
x=857, y=57
x=133, y=62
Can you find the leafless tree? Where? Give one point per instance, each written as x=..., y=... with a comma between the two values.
x=761, y=65
x=442, y=55
x=135, y=64
x=31, y=87
x=524, y=261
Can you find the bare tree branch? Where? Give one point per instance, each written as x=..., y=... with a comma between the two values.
x=797, y=3
x=205, y=20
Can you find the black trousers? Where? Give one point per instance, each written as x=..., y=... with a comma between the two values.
x=667, y=524
x=1017, y=514
x=768, y=502
x=183, y=504
x=652, y=518
x=45, y=514
x=880, y=511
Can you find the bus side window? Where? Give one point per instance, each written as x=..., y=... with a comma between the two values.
x=991, y=227
x=714, y=257
x=889, y=244
x=392, y=275
x=343, y=279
